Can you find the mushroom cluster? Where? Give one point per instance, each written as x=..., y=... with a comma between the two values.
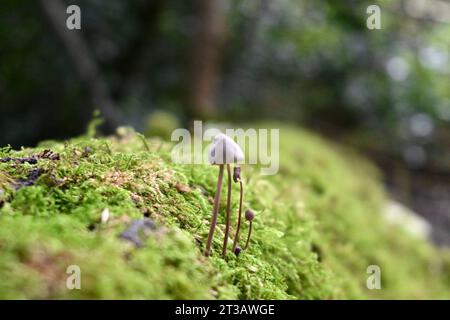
x=224, y=151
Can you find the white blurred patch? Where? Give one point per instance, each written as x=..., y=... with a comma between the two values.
x=105, y=216
x=397, y=214
x=434, y=58
x=397, y=68
x=435, y=10
x=421, y=125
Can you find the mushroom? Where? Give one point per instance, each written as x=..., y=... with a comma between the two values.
x=249, y=216
x=237, y=251
x=223, y=151
x=237, y=178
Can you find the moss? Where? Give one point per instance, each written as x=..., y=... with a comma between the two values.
x=317, y=227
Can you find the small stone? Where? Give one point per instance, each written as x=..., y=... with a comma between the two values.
x=138, y=231
x=33, y=175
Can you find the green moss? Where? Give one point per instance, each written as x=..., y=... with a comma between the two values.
x=318, y=226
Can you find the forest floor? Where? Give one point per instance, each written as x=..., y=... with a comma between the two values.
x=318, y=226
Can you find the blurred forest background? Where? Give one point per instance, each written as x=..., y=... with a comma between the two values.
x=307, y=62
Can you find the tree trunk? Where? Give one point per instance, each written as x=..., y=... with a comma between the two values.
x=83, y=62
x=205, y=59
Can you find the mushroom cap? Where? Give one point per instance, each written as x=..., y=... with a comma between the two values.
x=224, y=150
x=249, y=215
x=236, y=174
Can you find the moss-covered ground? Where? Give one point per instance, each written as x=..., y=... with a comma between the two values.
x=318, y=226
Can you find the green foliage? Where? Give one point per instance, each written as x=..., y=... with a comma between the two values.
x=161, y=124
x=94, y=124
x=317, y=227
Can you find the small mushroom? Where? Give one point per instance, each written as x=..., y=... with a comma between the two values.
x=223, y=151
x=237, y=251
x=237, y=178
x=249, y=216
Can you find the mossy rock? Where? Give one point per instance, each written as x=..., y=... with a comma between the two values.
x=318, y=226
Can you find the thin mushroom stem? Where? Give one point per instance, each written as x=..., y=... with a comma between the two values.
x=215, y=211
x=238, y=229
x=227, y=227
x=249, y=234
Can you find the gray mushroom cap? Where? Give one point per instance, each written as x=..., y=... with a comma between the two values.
x=224, y=150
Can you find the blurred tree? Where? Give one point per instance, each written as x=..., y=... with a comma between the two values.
x=304, y=61
x=84, y=64
x=205, y=58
